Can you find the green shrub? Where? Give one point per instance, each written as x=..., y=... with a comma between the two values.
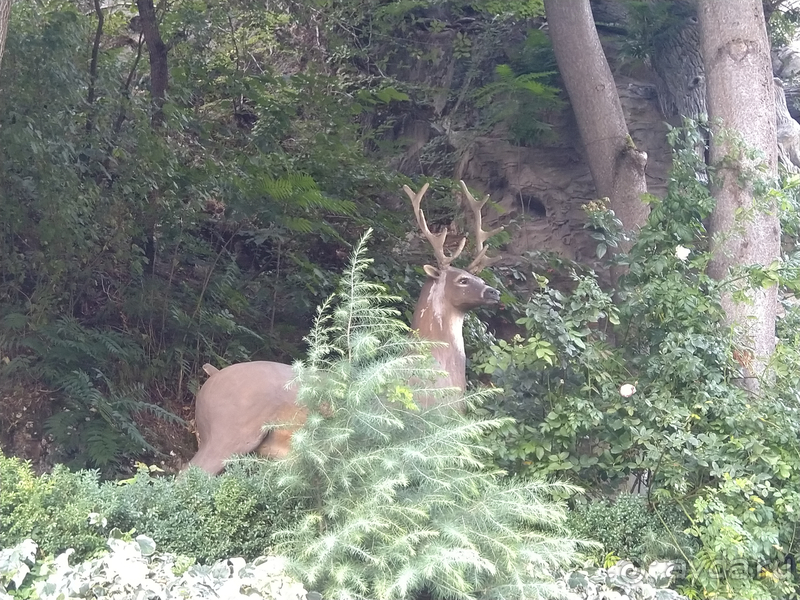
x=194, y=515
x=52, y=509
x=663, y=397
x=629, y=529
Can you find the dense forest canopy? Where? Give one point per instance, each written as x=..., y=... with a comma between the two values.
x=183, y=182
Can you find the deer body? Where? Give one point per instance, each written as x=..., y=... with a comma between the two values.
x=236, y=402
x=233, y=406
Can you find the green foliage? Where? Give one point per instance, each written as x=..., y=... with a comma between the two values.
x=194, y=515
x=212, y=236
x=519, y=100
x=522, y=92
x=53, y=508
x=782, y=24
x=131, y=255
x=543, y=375
x=200, y=516
x=400, y=499
x=627, y=527
x=96, y=426
x=734, y=520
x=519, y=9
x=661, y=405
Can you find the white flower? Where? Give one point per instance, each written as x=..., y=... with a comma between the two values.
x=627, y=390
x=682, y=253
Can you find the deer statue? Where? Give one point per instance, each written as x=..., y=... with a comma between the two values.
x=237, y=402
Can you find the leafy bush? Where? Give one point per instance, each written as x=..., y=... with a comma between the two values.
x=194, y=515
x=660, y=404
x=53, y=508
x=628, y=528
x=401, y=501
x=205, y=517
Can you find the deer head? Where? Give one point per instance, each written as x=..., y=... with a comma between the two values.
x=236, y=402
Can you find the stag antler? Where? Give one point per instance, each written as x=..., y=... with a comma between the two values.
x=481, y=261
x=436, y=239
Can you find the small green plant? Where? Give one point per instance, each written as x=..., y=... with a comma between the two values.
x=205, y=517
x=53, y=508
x=519, y=100
x=402, y=501
x=518, y=9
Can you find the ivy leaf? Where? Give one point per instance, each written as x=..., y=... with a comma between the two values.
x=147, y=545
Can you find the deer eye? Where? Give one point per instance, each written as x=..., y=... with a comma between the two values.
x=463, y=280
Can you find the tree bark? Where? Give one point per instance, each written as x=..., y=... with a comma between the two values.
x=745, y=228
x=676, y=59
x=157, y=49
x=91, y=96
x=788, y=131
x=159, y=79
x=617, y=166
x=5, y=15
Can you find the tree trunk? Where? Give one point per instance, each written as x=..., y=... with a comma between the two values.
x=745, y=228
x=5, y=15
x=157, y=49
x=617, y=166
x=677, y=61
x=788, y=131
x=159, y=79
x=91, y=96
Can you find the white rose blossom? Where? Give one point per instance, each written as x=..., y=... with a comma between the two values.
x=627, y=390
x=682, y=253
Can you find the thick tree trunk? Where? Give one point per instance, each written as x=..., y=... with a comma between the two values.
x=617, y=166
x=741, y=106
x=5, y=15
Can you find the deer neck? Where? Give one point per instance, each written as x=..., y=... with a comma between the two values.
x=438, y=321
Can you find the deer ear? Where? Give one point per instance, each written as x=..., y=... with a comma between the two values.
x=432, y=272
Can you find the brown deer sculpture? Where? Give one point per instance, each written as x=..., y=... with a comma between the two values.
x=237, y=402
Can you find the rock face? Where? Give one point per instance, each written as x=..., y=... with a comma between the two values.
x=540, y=190
x=543, y=188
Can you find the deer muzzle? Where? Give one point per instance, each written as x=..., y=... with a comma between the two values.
x=491, y=295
